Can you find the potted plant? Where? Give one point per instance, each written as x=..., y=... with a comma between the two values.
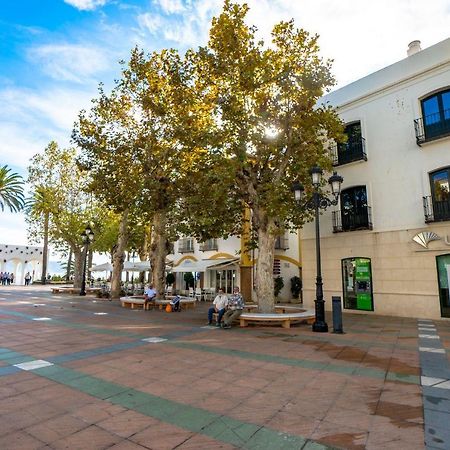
x=189, y=280
x=296, y=288
x=170, y=279
x=278, y=284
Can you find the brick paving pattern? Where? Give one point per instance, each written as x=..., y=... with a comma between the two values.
x=93, y=375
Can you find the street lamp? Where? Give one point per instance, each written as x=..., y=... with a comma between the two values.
x=87, y=237
x=317, y=201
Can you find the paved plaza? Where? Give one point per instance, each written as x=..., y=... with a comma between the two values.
x=84, y=373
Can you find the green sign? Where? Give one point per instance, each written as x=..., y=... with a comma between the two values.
x=362, y=269
x=364, y=302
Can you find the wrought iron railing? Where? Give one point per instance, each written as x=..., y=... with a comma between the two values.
x=433, y=126
x=350, y=221
x=434, y=210
x=210, y=244
x=352, y=150
x=186, y=245
x=281, y=243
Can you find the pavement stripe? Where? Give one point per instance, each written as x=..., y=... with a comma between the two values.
x=219, y=427
x=435, y=391
x=307, y=364
x=335, y=368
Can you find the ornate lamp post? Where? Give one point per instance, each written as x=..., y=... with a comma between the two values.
x=87, y=236
x=317, y=201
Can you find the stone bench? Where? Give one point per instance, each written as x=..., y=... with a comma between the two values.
x=136, y=301
x=74, y=291
x=285, y=318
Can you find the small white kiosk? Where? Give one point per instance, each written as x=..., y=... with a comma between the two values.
x=20, y=259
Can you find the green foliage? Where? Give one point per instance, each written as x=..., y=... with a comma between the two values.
x=278, y=284
x=189, y=279
x=11, y=190
x=296, y=286
x=170, y=278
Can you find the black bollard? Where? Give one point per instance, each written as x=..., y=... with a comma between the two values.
x=337, y=315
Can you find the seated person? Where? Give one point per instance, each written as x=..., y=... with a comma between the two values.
x=234, y=308
x=219, y=306
x=150, y=294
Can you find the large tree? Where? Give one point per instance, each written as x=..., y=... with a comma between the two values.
x=269, y=128
x=11, y=190
x=136, y=143
x=58, y=188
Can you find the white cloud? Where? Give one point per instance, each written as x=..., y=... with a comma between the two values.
x=360, y=37
x=69, y=62
x=187, y=25
x=30, y=120
x=171, y=6
x=13, y=228
x=86, y=5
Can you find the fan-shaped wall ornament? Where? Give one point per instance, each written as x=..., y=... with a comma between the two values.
x=424, y=237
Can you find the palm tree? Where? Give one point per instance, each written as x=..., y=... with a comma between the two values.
x=40, y=206
x=11, y=190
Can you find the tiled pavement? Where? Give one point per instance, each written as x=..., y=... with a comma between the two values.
x=127, y=379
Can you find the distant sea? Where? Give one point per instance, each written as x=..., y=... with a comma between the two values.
x=55, y=268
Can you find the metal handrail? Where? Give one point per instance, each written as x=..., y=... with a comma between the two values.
x=432, y=126
x=434, y=210
x=352, y=222
x=353, y=150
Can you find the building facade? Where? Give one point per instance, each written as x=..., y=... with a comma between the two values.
x=20, y=260
x=386, y=245
x=224, y=263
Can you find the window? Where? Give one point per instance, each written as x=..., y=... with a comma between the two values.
x=355, y=214
x=357, y=284
x=440, y=194
x=186, y=245
x=209, y=244
x=435, y=117
x=282, y=242
x=353, y=149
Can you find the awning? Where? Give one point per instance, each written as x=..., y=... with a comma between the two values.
x=101, y=267
x=200, y=266
x=138, y=266
x=128, y=266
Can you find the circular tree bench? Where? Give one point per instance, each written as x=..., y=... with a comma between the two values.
x=74, y=291
x=136, y=301
x=285, y=318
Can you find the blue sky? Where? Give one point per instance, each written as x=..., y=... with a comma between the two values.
x=53, y=54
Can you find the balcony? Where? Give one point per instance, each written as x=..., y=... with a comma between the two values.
x=436, y=211
x=432, y=127
x=209, y=245
x=186, y=245
x=353, y=150
x=361, y=220
x=282, y=243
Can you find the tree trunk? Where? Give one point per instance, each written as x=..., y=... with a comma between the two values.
x=78, y=267
x=45, y=249
x=264, y=267
x=144, y=251
x=69, y=265
x=159, y=252
x=119, y=256
x=89, y=263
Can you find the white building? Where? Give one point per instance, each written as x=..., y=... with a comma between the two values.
x=20, y=259
x=386, y=246
x=223, y=263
